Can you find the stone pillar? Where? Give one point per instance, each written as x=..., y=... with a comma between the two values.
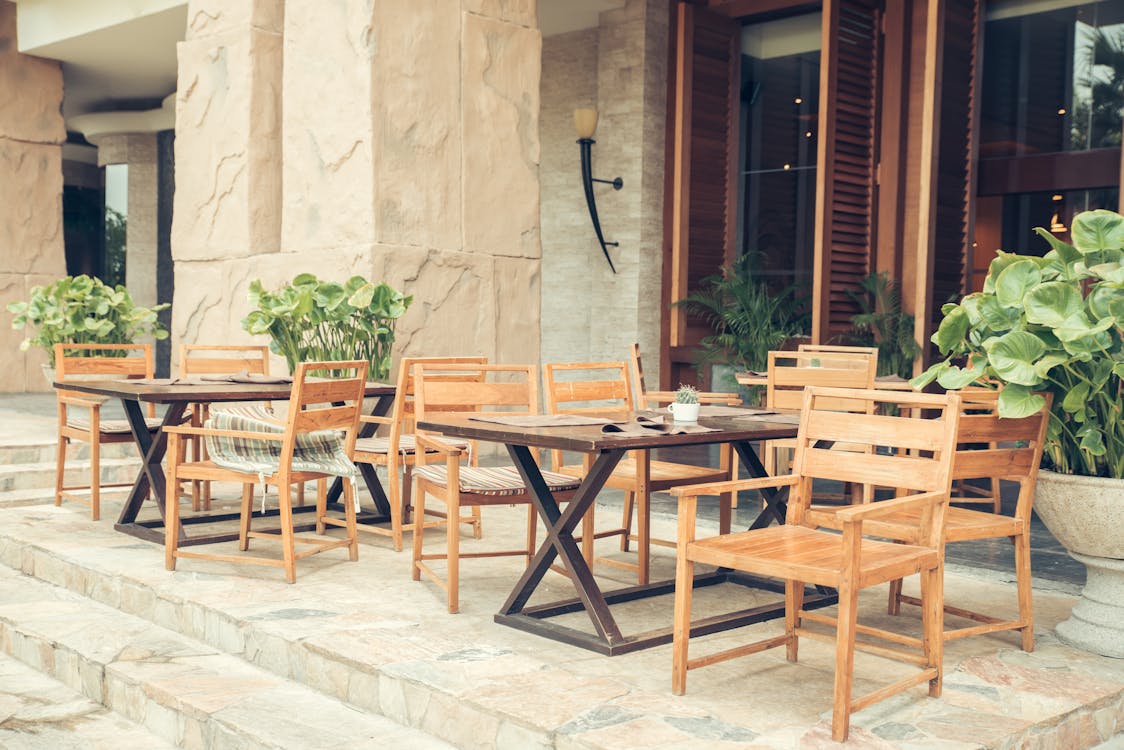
x=620, y=69
x=138, y=152
x=228, y=163
x=31, y=236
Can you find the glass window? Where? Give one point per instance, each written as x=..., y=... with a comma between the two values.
x=116, y=217
x=779, y=111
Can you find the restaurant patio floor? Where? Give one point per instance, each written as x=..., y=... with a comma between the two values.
x=217, y=655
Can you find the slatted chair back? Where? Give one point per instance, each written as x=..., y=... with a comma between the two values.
x=644, y=398
x=897, y=448
x=790, y=372
x=871, y=351
x=324, y=403
x=217, y=359
x=74, y=361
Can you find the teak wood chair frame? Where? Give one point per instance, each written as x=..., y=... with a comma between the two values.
x=340, y=402
x=605, y=386
x=396, y=451
x=94, y=430
x=438, y=389
x=921, y=449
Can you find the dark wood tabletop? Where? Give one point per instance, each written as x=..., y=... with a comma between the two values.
x=211, y=393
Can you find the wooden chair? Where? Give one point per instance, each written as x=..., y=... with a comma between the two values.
x=980, y=431
x=800, y=553
x=207, y=359
x=654, y=399
x=483, y=389
x=592, y=387
x=395, y=449
x=790, y=372
x=78, y=361
x=296, y=451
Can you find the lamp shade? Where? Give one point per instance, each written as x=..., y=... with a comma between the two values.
x=585, y=122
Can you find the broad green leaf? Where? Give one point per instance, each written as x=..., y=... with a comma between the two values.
x=1075, y=400
x=1111, y=272
x=304, y=279
x=919, y=382
x=1016, y=281
x=1066, y=253
x=1105, y=301
x=995, y=316
x=362, y=296
x=1016, y=402
x=997, y=266
x=1093, y=442
x=1047, y=363
x=1013, y=355
x=951, y=331
x=954, y=378
x=1052, y=303
x=1097, y=230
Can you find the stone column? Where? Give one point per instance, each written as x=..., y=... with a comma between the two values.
x=138, y=152
x=31, y=237
x=228, y=163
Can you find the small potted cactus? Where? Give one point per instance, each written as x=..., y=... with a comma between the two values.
x=686, y=406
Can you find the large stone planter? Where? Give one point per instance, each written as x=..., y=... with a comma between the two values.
x=1086, y=514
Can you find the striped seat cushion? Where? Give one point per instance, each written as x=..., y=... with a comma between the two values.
x=321, y=451
x=498, y=480
x=112, y=426
x=406, y=444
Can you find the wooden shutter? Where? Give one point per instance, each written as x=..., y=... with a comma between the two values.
x=845, y=188
x=958, y=130
x=704, y=187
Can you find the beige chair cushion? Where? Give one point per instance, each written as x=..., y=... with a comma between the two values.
x=499, y=480
x=112, y=426
x=406, y=444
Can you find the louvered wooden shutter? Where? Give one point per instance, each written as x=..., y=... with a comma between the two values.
x=955, y=171
x=708, y=64
x=845, y=191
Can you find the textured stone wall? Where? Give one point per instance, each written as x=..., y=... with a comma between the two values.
x=619, y=68
x=394, y=139
x=31, y=237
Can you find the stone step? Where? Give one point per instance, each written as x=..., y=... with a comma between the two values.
x=45, y=452
x=40, y=713
x=41, y=475
x=185, y=692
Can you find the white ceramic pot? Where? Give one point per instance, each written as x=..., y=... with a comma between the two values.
x=1086, y=515
x=684, y=413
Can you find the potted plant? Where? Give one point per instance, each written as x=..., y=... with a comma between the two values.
x=1053, y=323
x=747, y=318
x=884, y=324
x=83, y=310
x=310, y=319
x=685, y=409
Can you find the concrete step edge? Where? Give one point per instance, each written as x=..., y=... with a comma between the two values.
x=181, y=689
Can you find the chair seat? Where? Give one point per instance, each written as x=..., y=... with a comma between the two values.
x=960, y=524
x=113, y=426
x=809, y=555
x=498, y=481
x=662, y=475
x=406, y=444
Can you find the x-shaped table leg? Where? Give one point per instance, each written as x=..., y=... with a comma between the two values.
x=152, y=447
x=560, y=542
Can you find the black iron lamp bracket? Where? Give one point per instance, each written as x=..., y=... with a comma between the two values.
x=590, y=199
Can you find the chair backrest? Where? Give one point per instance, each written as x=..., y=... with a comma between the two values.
x=205, y=359
x=899, y=449
x=116, y=360
x=989, y=446
x=790, y=372
x=402, y=414
x=577, y=387
x=325, y=403
x=839, y=349
x=648, y=399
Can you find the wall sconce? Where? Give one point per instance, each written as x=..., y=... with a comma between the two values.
x=1057, y=226
x=585, y=122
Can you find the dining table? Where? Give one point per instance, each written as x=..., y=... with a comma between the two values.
x=739, y=427
x=177, y=395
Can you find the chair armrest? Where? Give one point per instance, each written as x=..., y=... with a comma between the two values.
x=80, y=401
x=427, y=444
x=888, y=507
x=375, y=420
x=733, y=485
x=244, y=434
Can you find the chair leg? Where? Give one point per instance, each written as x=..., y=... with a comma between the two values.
x=793, y=603
x=246, y=516
x=626, y=519
x=419, y=522
x=932, y=624
x=172, y=510
x=300, y=494
x=453, y=549
x=894, y=600
x=396, y=504
x=322, y=507
x=288, y=546
x=644, y=535
x=349, y=491
x=60, y=469
x=681, y=622
x=1022, y=576
x=844, y=661
x=95, y=478
x=532, y=531
x=477, y=526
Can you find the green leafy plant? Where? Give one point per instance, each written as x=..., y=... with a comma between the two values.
x=687, y=394
x=84, y=310
x=747, y=318
x=882, y=323
x=310, y=320
x=1053, y=324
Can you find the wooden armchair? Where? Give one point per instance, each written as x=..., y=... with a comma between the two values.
x=439, y=474
x=800, y=553
x=249, y=445
x=207, y=359
x=75, y=361
x=395, y=449
x=585, y=387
